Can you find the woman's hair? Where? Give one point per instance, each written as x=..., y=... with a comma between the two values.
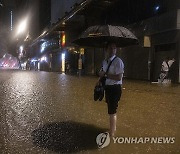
x=109, y=43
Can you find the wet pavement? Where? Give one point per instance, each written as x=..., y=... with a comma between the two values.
x=48, y=113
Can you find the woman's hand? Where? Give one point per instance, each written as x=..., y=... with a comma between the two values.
x=101, y=74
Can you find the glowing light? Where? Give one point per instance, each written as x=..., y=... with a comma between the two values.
x=43, y=33
x=63, y=56
x=34, y=60
x=22, y=26
x=11, y=21
x=27, y=37
x=6, y=65
x=44, y=59
x=63, y=40
x=157, y=8
x=63, y=62
x=21, y=49
x=38, y=66
x=82, y=51
x=43, y=46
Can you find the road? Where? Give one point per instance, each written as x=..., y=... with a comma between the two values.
x=46, y=112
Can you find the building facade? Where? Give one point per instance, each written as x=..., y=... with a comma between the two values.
x=159, y=39
x=157, y=28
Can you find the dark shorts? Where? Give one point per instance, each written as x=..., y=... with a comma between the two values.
x=112, y=95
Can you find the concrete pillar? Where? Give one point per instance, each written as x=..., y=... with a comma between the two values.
x=178, y=50
x=93, y=62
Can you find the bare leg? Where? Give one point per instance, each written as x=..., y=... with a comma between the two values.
x=112, y=119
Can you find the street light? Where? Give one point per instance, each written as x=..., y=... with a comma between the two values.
x=21, y=49
x=22, y=26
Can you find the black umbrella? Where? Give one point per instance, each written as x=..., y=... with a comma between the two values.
x=98, y=36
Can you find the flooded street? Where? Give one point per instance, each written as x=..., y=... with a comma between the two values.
x=48, y=113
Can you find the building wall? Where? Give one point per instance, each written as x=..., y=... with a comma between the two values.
x=178, y=19
x=140, y=62
x=160, y=53
x=135, y=59
x=98, y=58
x=145, y=63
x=93, y=60
x=89, y=61
x=56, y=62
x=165, y=45
x=172, y=5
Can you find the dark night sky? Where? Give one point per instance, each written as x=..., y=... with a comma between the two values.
x=129, y=11
x=124, y=11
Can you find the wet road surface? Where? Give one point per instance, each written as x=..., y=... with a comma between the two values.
x=51, y=113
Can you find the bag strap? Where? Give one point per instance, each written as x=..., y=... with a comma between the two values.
x=110, y=65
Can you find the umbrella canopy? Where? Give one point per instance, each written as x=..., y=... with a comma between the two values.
x=98, y=36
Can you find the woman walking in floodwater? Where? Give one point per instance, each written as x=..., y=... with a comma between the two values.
x=113, y=83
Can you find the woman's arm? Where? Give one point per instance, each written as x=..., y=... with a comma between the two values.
x=116, y=77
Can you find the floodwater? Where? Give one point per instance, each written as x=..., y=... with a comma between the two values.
x=48, y=113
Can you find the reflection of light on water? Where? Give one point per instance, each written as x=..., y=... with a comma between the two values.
x=21, y=106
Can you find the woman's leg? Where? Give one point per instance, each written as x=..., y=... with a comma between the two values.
x=112, y=120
